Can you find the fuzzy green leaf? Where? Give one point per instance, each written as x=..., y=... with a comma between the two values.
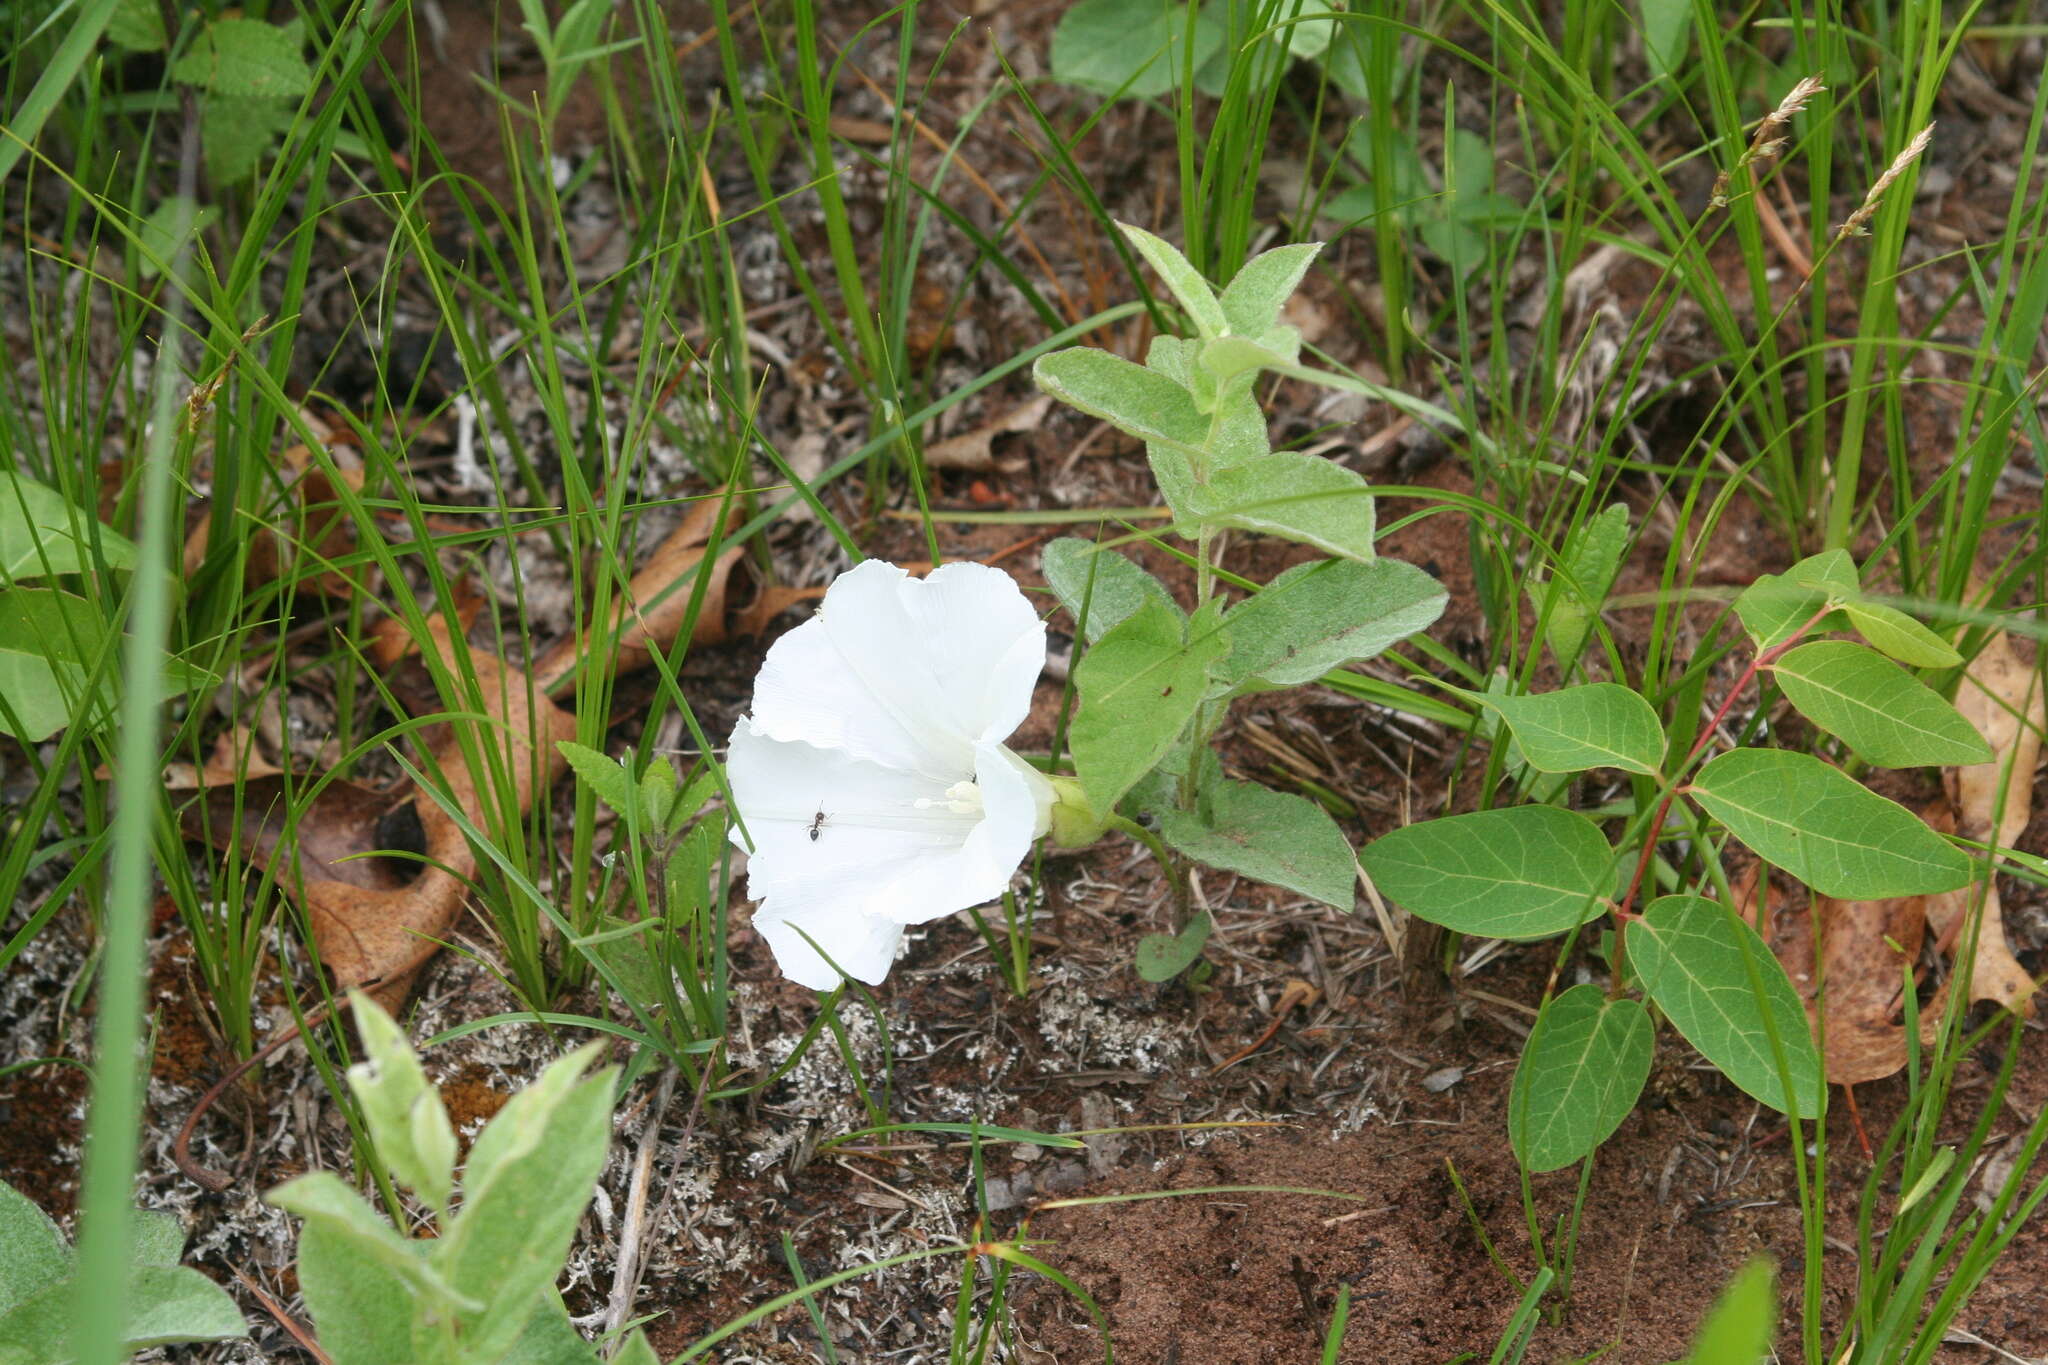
x=1100, y=583
x=246, y=58
x=33, y=1253
x=1878, y=709
x=1132, y=398
x=1599, y=725
x=1581, y=1071
x=1196, y=298
x=1523, y=872
x=1893, y=632
x=1319, y=616
x=1276, y=837
x=606, y=777
x=236, y=132
x=1294, y=496
x=138, y=25
x=42, y=534
x=528, y=1180
x=1695, y=959
x=1132, y=47
x=1826, y=828
x=406, y=1119
x=1256, y=296
x=1140, y=685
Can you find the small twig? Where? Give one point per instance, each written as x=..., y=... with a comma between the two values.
x=1293, y=994
x=181, y=1148
x=626, y=1277
x=284, y=1319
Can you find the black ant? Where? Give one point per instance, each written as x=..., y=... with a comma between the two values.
x=817, y=823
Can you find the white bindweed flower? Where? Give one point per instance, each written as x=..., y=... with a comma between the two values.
x=871, y=776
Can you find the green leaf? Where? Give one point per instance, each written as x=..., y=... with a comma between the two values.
x=1694, y=958
x=549, y=1338
x=1276, y=837
x=1132, y=47
x=41, y=534
x=606, y=777
x=657, y=795
x=1667, y=33
x=138, y=25
x=50, y=644
x=1162, y=957
x=1589, y=563
x=176, y=1303
x=1098, y=587
x=1294, y=496
x=1195, y=296
x=247, y=58
x=525, y=1187
x=1598, y=725
x=1777, y=604
x=366, y=1251
x=1140, y=685
x=1580, y=1074
x=236, y=132
x=1316, y=617
x=1745, y=1318
x=33, y=1253
x=1257, y=295
x=1524, y=872
x=1826, y=828
x=1132, y=398
x=406, y=1119
x=1899, y=635
x=166, y=229
x=1878, y=709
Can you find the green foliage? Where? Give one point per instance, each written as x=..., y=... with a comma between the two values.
x=1099, y=588
x=39, y=1294
x=1825, y=827
x=1580, y=1074
x=43, y=535
x=250, y=75
x=1744, y=1319
x=1703, y=966
x=1140, y=686
x=1270, y=836
x=246, y=59
x=1129, y=47
x=1162, y=957
x=1519, y=872
x=1587, y=567
x=1878, y=709
x=57, y=664
x=483, y=1289
x=1599, y=725
x=1322, y=615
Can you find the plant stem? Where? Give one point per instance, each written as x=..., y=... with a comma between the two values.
x=1176, y=875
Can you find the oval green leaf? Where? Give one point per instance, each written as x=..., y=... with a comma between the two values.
x=1277, y=837
x=1579, y=1076
x=1525, y=872
x=1704, y=968
x=1599, y=725
x=1899, y=635
x=1318, y=616
x=1826, y=828
x=1878, y=709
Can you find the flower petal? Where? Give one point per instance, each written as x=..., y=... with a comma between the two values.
x=905, y=671
x=863, y=946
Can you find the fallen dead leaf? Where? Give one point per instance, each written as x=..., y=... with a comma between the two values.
x=975, y=450
x=2001, y=696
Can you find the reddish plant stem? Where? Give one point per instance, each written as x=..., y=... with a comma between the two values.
x=1625, y=909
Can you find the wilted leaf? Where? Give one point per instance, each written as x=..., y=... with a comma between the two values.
x=2001, y=696
x=658, y=598
x=975, y=450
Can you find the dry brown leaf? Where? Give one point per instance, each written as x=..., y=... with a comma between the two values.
x=651, y=619
x=235, y=754
x=1865, y=948
x=2001, y=696
x=321, y=531
x=376, y=923
x=975, y=450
